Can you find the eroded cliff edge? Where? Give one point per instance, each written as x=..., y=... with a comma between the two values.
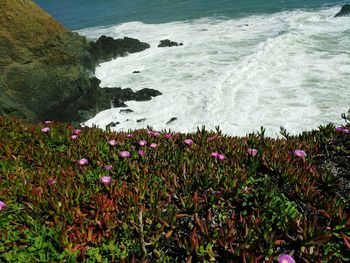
x=46, y=71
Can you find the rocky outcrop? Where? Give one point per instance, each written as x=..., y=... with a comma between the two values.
x=117, y=97
x=169, y=43
x=46, y=70
x=345, y=11
x=145, y=94
x=107, y=48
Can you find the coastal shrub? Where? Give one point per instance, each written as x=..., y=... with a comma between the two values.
x=143, y=196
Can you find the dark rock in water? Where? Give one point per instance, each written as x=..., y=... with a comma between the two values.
x=119, y=96
x=146, y=94
x=119, y=103
x=136, y=72
x=345, y=11
x=107, y=48
x=168, y=43
x=181, y=44
x=141, y=120
x=112, y=124
x=171, y=120
x=126, y=111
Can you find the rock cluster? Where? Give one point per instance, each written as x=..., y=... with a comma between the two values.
x=169, y=43
x=118, y=96
x=107, y=48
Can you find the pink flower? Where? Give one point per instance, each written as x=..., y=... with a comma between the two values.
x=74, y=137
x=2, y=205
x=153, y=133
x=130, y=135
x=124, y=154
x=142, y=143
x=105, y=180
x=141, y=152
x=215, y=155
x=300, y=153
x=47, y=122
x=45, y=130
x=153, y=145
x=76, y=131
x=112, y=142
x=339, y=129
x=342, y=130
x=51, y=181
x=285, y=259
x=108, y=167
x=83, y=162
x=221, y=157
x=252, y=152
x=188, y=142
x=168, y=135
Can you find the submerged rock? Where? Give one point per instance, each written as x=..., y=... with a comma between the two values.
x=112, y=125
x=141, y=120
x=146, y=94
x=169, y=43
x=345, y=11
x=171, y=120
x=126, y=111
x=136, y=72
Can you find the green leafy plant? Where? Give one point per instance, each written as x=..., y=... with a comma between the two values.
x=200, y=197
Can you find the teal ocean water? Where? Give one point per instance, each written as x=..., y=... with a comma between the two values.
x=77, y=14
x=244, y=63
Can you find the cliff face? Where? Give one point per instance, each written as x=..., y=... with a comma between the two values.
x=46, y=70
x=43, y=66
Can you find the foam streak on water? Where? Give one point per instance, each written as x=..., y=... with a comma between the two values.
x=289, y=69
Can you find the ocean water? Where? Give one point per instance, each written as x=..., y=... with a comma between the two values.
x=242, y=66
x=78, y=14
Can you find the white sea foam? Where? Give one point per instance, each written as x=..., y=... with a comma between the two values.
x=288, y=69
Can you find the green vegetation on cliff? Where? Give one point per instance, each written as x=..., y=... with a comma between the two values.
x=46, y=70
x=43, y=66
x=29, y=35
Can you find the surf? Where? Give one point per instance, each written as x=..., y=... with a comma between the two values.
x=284, y=69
